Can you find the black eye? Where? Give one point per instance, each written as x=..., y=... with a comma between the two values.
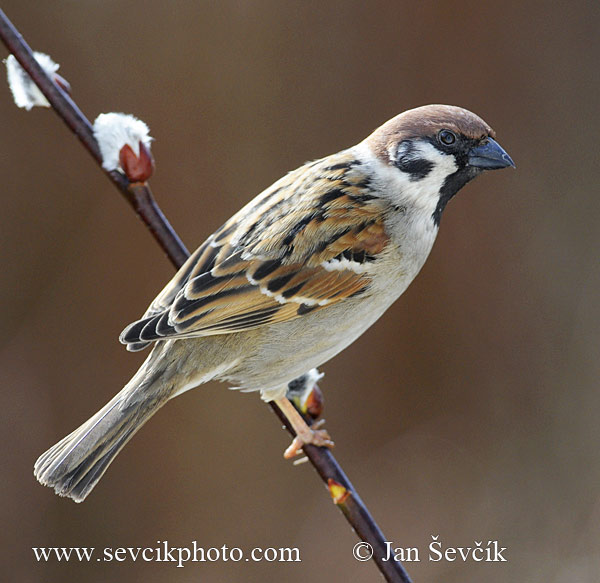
x=446, y=137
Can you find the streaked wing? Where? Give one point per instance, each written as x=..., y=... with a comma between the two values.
x=307, y=242
x=202, y=260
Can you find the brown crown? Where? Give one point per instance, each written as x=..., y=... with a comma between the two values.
x=426, y=121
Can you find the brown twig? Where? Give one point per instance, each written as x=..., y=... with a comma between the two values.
x=141, y=199
x=67, y=109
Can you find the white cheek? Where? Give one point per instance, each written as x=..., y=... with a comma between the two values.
x=413, y=227
x=420, y=194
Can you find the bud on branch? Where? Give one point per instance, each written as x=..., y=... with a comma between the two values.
x=124, y=143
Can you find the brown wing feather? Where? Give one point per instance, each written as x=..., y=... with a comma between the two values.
x=303, y=244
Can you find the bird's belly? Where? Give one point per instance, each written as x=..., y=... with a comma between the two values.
x=281, y=352
x=289, y=349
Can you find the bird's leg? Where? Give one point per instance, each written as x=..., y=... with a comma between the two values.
x=304, y=434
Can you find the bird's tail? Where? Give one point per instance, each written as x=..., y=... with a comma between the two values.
x=75, y=464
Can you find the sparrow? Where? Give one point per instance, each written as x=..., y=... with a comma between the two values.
x=290, y=280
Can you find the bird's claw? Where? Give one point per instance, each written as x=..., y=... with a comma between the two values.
x=316, y=436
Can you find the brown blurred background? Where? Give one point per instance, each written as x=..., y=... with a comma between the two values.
x=470, y=411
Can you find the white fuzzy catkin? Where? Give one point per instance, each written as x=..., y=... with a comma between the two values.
x=113, y=131
x=25, y=92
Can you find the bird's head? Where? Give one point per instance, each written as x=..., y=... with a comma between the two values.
x=437, y=149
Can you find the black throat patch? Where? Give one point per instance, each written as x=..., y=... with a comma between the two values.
x=451, y=186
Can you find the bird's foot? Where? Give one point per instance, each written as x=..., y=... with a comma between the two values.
x=309, y=436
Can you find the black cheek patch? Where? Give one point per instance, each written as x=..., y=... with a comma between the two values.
x=416, y=168
x=409, y=163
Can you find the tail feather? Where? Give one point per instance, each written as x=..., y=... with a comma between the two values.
x=75, y=464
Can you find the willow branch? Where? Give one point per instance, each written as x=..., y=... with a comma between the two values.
x=142, y=201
